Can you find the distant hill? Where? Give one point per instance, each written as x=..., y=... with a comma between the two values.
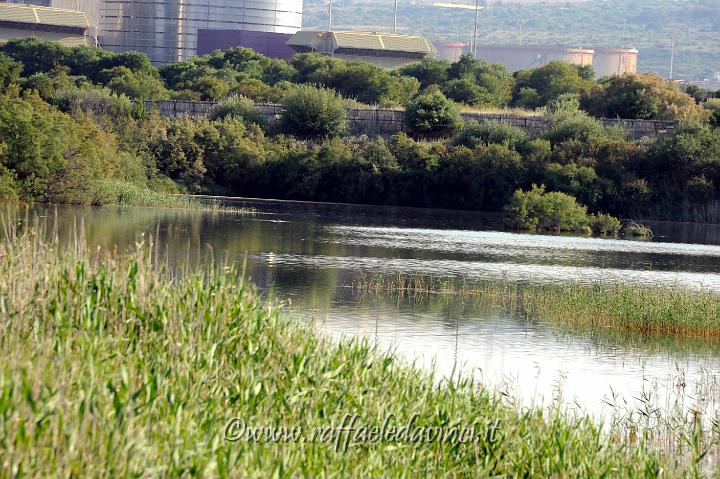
x=644, y=24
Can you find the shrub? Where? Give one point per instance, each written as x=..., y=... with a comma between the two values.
x=645, y=97
x=579, y=127
x=539, y=210
x=491, y=82
x=9, y=71
x=635, y=230
x=489, y=132
x=465, y=91
x=539, y=86
x=432, y=115
x=239, y=107
x=314, y=112
x=95, y=103
x=123, y=81
x=602, y=224
x=713, y=106
x=51, y=156
x=8, y=188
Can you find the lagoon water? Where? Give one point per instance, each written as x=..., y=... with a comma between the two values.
x=312, y=254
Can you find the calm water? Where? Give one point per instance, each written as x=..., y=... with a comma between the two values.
x=312, y=253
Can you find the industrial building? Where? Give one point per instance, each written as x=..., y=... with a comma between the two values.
x=386, y=50
x=168, y=31
x=69, y=27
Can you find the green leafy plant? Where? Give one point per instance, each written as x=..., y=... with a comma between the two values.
x=314, y=112
x=545, y=211
x=432, y=115
x=239, y=107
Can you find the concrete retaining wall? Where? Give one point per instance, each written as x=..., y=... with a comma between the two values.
x=389, y=121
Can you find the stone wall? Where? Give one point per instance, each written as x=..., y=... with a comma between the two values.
x=389, y=121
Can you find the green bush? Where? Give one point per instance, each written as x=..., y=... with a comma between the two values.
x=432, y=115
x=713, y=106
x=314, y=112
x=644, y=97
x=53, y=157
x=9, y=71
x=539, y=86
x=8, y=188
x=95, y=102
x=539, y=210
x=466, y=91
x=489, y=132
x=602, y=224
x=239, y=107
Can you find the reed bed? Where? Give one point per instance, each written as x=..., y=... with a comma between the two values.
x=115, y=367
x=120, y=193
x=622, y=306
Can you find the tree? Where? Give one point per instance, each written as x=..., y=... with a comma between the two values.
x=432, y=115
x=493, y=80
x=427, y=72
x=9, y=71
x=178, y=154
x=51, y=156
x=643, y=97
x=37, y=56
x=465, y=91
x=137, y=85
x=546, y=83
x=314, y=112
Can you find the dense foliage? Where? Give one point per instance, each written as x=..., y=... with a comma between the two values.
x=66, y=124
x=540, y=210
x=310, y=112
x=50, y=68
x=432, y=115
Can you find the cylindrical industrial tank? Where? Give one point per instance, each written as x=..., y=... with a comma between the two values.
x=167, y=30
x=615, y=61
x=451, y=51
x=522, y=57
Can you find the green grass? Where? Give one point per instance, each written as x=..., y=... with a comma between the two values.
x=619, y=306
x=113, y=367
x=122, y=193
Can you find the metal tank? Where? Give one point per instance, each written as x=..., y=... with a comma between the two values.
x=167, y=31
x=615, y=61
x=522, y=57
x=451, y=51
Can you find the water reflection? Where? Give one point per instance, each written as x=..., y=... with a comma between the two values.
x=312, y=253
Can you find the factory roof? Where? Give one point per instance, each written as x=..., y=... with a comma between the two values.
x=365, y=41
x=42, y=16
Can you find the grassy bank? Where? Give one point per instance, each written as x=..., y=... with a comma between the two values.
x=121, y=193
x=113, y=368
x=622, y=306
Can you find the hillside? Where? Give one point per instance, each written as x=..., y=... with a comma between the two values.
x=644, y=24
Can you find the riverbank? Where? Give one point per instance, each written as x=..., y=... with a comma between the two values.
x=113, y=367
x=620, y=306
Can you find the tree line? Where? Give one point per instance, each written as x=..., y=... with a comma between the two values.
x=62, y=131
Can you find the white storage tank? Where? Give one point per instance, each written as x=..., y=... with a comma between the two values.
x=167, y=31
x=615, y=61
